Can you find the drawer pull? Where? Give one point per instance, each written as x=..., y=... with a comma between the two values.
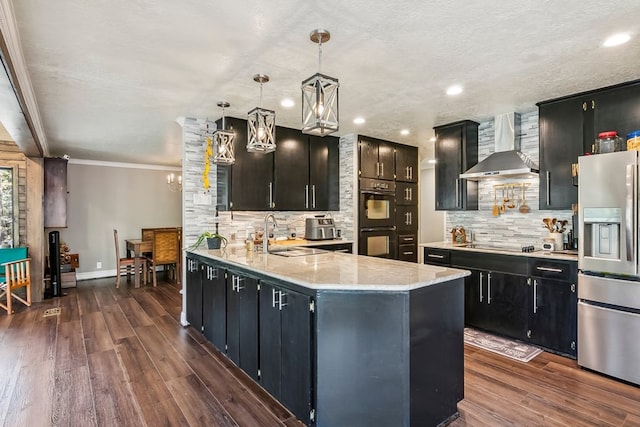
x=553, y=270
x=435, y=256
x=408, y=253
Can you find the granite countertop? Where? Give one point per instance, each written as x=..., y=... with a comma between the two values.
x=335, y=270
x=538, y=253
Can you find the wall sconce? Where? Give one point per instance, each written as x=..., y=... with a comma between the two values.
x=320, y=96
x=261, y=125
x=223, y=142
x=174, y=185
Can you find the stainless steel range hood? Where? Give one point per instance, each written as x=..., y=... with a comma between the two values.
x=507, y=161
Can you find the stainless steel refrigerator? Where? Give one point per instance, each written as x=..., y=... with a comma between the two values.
x=609, y=269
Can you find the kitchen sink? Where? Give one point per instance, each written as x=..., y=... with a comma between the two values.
x=297, y=251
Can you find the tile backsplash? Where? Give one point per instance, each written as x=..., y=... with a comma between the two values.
x=511, y=228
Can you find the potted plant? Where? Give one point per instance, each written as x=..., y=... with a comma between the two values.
x=214, y=240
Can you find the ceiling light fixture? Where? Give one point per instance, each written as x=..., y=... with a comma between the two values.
x=223, y=141
x=617, y=40
x=287, y=103
x=404, y=132
x=320, y=96
x=359, y=120
x=174, y=185
x=454, y=90
x=261, y=125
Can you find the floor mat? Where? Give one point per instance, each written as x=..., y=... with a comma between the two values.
x=503, y=346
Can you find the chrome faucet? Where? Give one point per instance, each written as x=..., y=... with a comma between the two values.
x=265, y=237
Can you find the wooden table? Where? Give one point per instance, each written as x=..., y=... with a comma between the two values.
x=137, y=247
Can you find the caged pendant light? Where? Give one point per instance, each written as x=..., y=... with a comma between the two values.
x=320, y=96
x=261, y=125
x=223, y=142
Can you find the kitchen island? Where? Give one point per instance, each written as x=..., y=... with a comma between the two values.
x=339, y=339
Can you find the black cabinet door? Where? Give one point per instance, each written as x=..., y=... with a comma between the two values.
x=251, y=177
x=324, y=173
x=475, y=299
x=194, y=294
x=617, y=109
x=285, y=347
x=369, y=166
x=386, y=160
x=406, y=193
x=553, y=315
x=291, y=171
x=560, y=145
x=214, y=305
x=507, y=304
x=456, y=150
x=242, y=322
x=406, y=218
x=406, y=163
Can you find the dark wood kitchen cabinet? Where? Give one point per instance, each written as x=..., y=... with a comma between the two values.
x=406, y=163
x=456, y=150
x=194, y=293
x=554, y=305
x=568, y=129
x=285, y=347
x=214, y=304
x=242, y=321
x=306, y=172
x=55, y=192
x=376, y=158
x=406, y=193
x=249, y=180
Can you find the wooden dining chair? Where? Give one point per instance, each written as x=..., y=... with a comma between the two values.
x=17, y=275
x=126, y=264
x=166, y=251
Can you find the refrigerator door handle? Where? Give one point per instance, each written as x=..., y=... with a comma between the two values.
x=629, y=216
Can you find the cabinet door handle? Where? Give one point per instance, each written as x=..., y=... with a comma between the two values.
x=457, y=192
x=271, y=195
x=535, y=296
x=410, y=172
x=410, y=193
x=548, y=188
x=553, y=270
x=313, y=196
x=306, y=196
x=235, y=283
x=481, y=277
x=281, y=300
x=381, y=169
x=488, y=288
x=435, y=256
x=378, y=169
x=274, y=298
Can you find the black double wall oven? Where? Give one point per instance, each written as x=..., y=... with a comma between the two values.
x=377, y=234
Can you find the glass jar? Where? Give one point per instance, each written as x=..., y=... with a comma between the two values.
x=633, y=140
x=608, y=142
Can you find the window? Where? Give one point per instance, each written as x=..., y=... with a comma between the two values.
x=6, y=207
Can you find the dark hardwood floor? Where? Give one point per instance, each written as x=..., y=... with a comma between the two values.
x=119, y=357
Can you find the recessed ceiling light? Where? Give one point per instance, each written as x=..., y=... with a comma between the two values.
x=617, y=39
x=287, y=103
x=359, y=120
x=432, y=161
x=454, y=90
x=432, y=139
x=404, y=132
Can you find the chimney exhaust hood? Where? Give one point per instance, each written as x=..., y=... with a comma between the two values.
x=507, y=161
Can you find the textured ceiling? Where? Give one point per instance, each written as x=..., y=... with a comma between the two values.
x=111, y=77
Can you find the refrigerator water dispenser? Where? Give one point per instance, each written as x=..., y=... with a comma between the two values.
x=602, y=232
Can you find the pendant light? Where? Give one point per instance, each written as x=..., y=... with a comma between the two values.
x=223, y=142
x=261, y=125
x=320, y=96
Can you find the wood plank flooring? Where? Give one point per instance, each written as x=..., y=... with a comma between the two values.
x=119, y=357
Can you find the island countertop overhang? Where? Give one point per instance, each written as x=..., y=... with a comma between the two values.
x=334, y=270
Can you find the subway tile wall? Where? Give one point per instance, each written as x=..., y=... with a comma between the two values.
x=202, y=217
x=511, y=228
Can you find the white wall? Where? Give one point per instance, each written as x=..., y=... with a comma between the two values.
x=103, y=196
x=431, y=221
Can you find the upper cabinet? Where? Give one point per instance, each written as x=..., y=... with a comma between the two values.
x=55, y=192
x=376, y=158
x=456, y=150
x=306, y=175
x=568, y=129
x=302, y=174
x=406, y=163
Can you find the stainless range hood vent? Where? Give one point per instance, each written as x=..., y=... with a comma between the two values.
x=507, y=161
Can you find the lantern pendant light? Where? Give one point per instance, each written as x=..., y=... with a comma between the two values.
x=223, y=142
x=320, y=96
x=261, y=125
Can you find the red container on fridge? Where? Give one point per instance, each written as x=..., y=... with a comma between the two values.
x=608, y=142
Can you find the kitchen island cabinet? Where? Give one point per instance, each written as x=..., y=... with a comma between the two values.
x=354, y=342
x=456, y=150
